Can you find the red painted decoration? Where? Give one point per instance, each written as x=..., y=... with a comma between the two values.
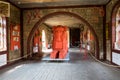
x=36, y=41
x=15, y=37
x=60, y=42
x=36, y=38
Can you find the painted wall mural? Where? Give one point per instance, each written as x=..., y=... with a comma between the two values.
x=15, y=37
x=31, y=16
x=13, y=19
x=37, y=41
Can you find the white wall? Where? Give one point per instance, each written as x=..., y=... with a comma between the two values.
x=116, y=58
x=3, y=59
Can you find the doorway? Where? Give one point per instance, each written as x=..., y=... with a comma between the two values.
x=74, y=37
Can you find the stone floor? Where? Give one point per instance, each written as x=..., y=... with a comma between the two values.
x=77, y=68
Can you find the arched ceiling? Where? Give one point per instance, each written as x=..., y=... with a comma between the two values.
x=54, y=3
x=64, y=20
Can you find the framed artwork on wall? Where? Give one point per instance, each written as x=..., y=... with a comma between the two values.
x=15, y=37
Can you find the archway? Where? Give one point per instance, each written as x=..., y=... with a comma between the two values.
x=113, y=22
x=115, y=36
x=36, y=26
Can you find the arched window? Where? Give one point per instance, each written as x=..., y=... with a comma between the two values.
x=3, y=45
x=115, y=53
x=117, y=30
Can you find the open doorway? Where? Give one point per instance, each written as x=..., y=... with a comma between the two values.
x=74, y=37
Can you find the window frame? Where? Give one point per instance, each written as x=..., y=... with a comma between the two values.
x=5, y=24
x=114, y=31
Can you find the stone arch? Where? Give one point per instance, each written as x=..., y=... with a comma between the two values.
x=36, y=26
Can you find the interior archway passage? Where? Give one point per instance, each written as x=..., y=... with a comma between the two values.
x=70, y=20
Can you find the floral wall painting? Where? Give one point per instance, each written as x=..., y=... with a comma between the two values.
x=32, y=15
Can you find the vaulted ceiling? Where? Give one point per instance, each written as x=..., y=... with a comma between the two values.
x=54, y=3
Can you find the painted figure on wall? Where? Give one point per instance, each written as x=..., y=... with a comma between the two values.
x=36, y=41
x=60, y=42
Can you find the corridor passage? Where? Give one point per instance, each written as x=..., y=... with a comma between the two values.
x=77, y=68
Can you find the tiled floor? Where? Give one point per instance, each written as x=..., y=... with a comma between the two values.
x=76, y=69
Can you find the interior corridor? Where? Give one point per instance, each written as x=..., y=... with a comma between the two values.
x=77, y=68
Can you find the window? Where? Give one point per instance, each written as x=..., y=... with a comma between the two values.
x=3, y=46
x=43, y=40
x=117, y=31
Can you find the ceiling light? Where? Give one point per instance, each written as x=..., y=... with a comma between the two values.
x=19, y=2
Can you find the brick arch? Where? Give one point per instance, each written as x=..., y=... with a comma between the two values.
x=36, y=26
